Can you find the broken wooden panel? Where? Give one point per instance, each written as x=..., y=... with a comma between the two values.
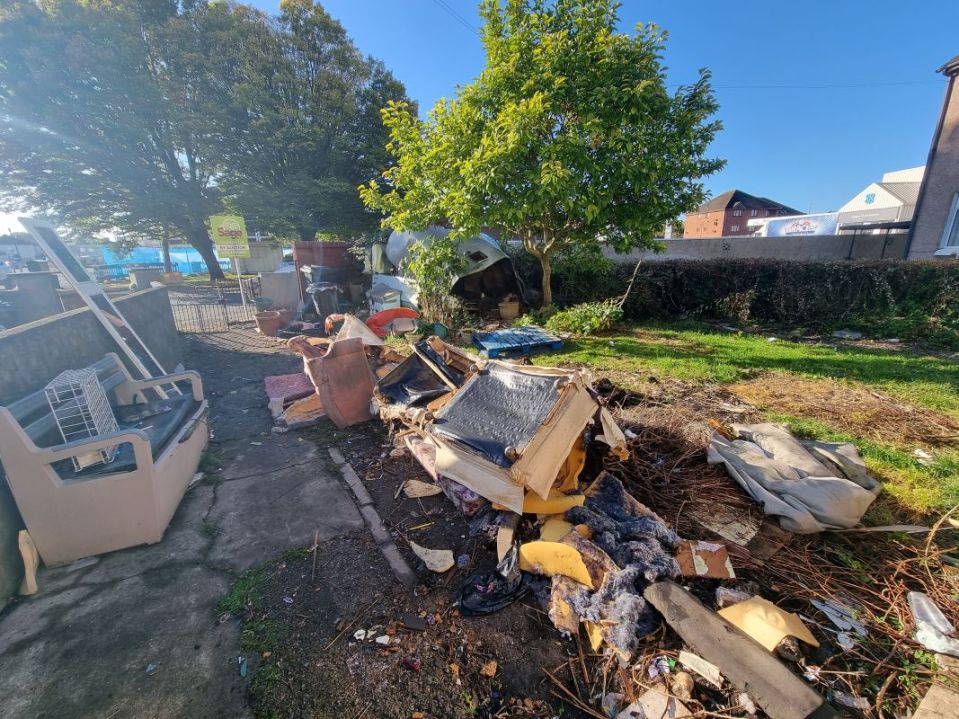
x=704, y=559
x=742, y=660
x=505, y=534
x=302, y=413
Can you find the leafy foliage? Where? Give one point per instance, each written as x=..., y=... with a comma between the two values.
x=569, y=135
x=912, y=301
x=433, y=266
x=148, y=117
x=306, y=126
x=587, y=318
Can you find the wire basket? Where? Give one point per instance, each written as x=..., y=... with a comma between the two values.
x=81, y=410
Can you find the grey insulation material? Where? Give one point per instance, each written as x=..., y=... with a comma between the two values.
x=642, y=546
x=626, y=615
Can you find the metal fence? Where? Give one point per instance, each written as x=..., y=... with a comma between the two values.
x=209, y=307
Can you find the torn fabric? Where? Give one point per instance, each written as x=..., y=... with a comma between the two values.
x=775, y=469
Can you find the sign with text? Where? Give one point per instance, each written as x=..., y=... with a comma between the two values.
x=826, y=223
x=229, y=236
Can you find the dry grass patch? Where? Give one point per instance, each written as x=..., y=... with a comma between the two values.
x=845, y=407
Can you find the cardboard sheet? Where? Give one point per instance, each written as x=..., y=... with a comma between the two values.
x=767, y=623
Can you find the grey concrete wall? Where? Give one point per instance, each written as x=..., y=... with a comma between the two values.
x=941, y=182
x=818, y=247
x=33, y=354
x=281, y=287
x=264, y=257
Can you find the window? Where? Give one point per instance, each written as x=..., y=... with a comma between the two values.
x=753, y=213
x=734, y=228
x=737, y=213
x=950, y=236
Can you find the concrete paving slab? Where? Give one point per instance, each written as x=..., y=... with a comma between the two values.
x=260, y=517
x=91, y=658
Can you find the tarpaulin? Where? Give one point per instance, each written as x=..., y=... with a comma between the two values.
x=789, y=482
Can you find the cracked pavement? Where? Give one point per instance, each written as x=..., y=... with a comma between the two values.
x=82, y=645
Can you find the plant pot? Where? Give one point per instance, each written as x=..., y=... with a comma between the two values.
x=268, y=323
x=509, y=310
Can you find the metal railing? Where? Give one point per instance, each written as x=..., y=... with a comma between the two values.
x=208, y=307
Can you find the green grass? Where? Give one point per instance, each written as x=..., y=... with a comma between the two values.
x=916, y=486
x=245, y=594
x=696, y=354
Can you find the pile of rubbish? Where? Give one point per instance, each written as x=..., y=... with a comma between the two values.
x=521, y=450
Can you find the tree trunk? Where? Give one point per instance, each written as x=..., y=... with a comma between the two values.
x=200, y=240
x=167, y=264
x=546, y=264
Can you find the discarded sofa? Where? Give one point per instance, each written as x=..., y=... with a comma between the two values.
x=104, y=506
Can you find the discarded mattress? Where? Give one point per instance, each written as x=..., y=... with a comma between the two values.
x=505, y=429
x=498, y=409
x=811, y=487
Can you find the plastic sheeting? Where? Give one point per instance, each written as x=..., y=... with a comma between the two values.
x=412, y=384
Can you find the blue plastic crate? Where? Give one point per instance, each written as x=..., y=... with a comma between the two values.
x=515, y=341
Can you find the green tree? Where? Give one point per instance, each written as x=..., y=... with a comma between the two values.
x=307, y=127
x=569, y=136
x=113, y=112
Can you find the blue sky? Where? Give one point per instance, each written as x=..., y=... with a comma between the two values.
x=786, y=136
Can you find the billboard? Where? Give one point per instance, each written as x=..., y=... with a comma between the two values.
x=229, y=236
x=826, y=223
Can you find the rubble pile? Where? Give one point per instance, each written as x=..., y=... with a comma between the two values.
x=536, y=458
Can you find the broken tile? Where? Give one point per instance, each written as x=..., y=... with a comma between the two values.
x=704, y=559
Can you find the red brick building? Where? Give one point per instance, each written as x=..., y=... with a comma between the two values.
x=727, y=215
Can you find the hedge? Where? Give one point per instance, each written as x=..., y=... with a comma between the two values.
x=911, y=299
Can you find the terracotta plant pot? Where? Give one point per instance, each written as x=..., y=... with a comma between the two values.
x=268, y=323
x=509, y=310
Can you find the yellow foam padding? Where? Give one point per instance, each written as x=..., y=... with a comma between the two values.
x=554, y=530
x=595, y=633
x=551, y=558
x=557, y=503
x=564, y=590
x=568, y=478
x=584, y=531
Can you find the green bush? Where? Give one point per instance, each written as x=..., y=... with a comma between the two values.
x=536, y=316
x=911, y=300
x=587, y=318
